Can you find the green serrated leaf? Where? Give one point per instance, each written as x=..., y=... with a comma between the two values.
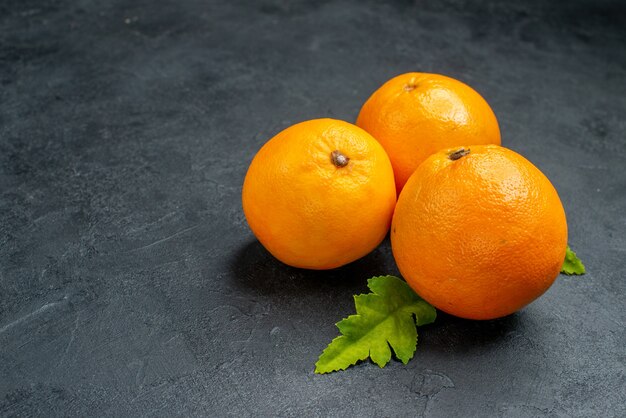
x=572, y=264
x=384, y=318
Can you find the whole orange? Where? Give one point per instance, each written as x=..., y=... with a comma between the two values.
x=320, y=194
x=414, y=115
x=479, y=232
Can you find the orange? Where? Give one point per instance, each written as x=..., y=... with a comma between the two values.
x=414, y=115
x=479, y=231
x=320, y=194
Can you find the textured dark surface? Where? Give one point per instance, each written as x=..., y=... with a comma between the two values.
x=129, y=281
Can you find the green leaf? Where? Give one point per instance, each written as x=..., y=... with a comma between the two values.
x=572, y=264
x=383, y=318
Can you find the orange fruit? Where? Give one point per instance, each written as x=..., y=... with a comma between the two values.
x=414, y=115
x=320, y=194
x=479, y=232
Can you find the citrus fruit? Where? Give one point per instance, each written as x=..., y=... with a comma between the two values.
x=479, y=232
x=414, y=115
x=320, y=194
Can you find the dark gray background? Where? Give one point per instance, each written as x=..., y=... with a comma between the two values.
x=129, y=281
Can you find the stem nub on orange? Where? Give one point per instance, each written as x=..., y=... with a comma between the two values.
x=479, y=231
x=414, y=115
x=320, y=194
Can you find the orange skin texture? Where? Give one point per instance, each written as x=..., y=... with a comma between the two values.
x=479, y=237
x=414, y=115
x=307, y=211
